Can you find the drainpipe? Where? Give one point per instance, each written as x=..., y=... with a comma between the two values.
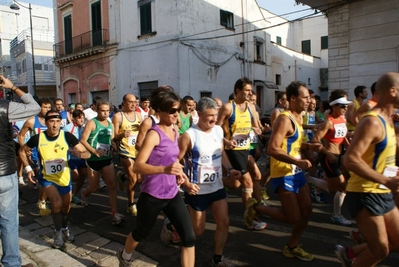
x=243, y=38
x=295, y=69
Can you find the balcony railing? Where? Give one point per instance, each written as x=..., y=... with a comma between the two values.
x=81, y=42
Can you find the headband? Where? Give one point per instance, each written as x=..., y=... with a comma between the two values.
x=52, y=117
x=341, y=100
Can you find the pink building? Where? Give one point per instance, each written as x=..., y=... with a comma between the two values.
x=82, y=50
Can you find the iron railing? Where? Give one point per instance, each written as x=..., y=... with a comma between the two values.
x=81, y=42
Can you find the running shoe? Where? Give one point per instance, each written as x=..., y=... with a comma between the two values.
x=340, y=220
x=264, y=194
x=43, y=210
x=83, y=199
x=319, y=197
x=223, y=263
x=250, y=212
x=121, y=183
x=356, y=236
x=101, y=183
x=340, y=252
x=67, y=236
x=257, y=225
x=298, y=253
x=167, y=235
x=116, y=219
x=122, y=261
x=132, y=210
x=58, y=239
x=76, y=199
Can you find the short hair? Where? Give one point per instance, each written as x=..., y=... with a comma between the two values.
x=52, y=110
x=359, y=89
x=187, y=98
x=44, y=100
x=144, y=98
x=206, y=103
x=163, y=99
x=373, y=87
x=293, y=89
x=240, y=83
x=311, y=91
x=101, y=102
x=125, y=95
x=77, y=113
x=77, y=104
x=231, y=96
x=325, y=105
x=96, y=99
x=280, y=95
x=58, y=99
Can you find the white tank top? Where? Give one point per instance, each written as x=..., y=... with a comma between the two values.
x=204, y=161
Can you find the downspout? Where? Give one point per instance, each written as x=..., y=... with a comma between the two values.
x=243, y=38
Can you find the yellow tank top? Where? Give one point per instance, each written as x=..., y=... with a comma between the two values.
x=377, y=156
x=349, y=125
x=292, y=145
x=54, y=159
x=239, y=126
x=127, y=146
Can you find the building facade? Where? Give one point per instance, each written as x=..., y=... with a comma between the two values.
x=83, y=53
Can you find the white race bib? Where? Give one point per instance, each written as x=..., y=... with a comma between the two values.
x=103, y=147
x=54, y=166
x=241, y=139
x=253, y=137
x=296, y=169
x=389, y=171
x=340, y=130
x=132, y=139
x=209, y=174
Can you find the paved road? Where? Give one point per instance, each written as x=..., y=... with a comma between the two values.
x=244, y=247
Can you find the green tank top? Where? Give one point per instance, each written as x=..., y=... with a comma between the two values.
x=100, y=139
x=185, y=123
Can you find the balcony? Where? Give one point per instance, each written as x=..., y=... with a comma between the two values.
x=86, y=44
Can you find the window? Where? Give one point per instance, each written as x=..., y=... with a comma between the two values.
x=227, y=19
x=68, y=34
x=96, y=23
x=306, y=47
x=324, y=42
x=259, y=56
x=278, y=79
x=278, y=40
x=146, y=88
x=145, y=18
x=205, y=94
x=38, y=66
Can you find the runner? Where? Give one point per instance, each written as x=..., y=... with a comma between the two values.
x=366, y=106
x=59, y=106
x=361, y=95
x=78, y=166
x=126, y=127
x=144, y=107
x=202, y=146
x=287, y=174
x=237, y=118
x=333, y=133
x=374, y=178
x=157, y=162
x=54, y=172
x=185, y=120
x=97, y=137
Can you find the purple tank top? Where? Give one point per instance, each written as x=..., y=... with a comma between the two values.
x=161, y=185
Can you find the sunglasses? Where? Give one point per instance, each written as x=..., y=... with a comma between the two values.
x=174, y=110
x=341, y=105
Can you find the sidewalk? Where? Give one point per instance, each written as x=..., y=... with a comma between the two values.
x=88, y=249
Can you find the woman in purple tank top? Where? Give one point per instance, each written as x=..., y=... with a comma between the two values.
x=161, y=174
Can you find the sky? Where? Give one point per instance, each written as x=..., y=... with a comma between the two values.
x=278, y=7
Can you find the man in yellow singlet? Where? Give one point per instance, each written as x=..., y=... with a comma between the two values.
x=371, y=160
x=287, y=171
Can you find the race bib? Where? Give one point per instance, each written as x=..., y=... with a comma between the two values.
x=104, y=148
x=253, y=137
x=296, y=169
x=340, y=130
x=132, y=139
x=63, y=123
x=54, y=166
x=209, y=174
x=389, y=171
x=241, y=139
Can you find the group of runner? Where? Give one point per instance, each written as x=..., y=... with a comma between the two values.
x=218, y=146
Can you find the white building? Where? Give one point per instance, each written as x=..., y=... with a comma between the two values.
x=202, y=47
x=16, y=52
x=363, y=40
